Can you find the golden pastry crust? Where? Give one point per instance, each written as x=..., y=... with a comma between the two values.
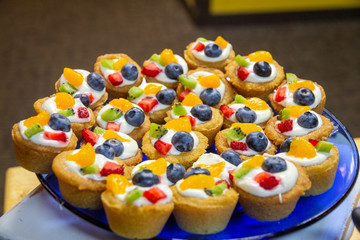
x=319, y=108
x=229, y=91
x=116, y=92
x=159, y=116
x=132, y=161
x=172, y=84
x=249, y=89
x=222, y=145
x=33, y=157
x=320, y=134
x=193, y=62
x=131, y=221
x=271, y=208
x=204, y=215
x=186, y=159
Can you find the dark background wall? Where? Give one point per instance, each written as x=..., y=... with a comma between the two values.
x=39, y=38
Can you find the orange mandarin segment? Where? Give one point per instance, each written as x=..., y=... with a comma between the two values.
x=179, y=124
x=117, y=183
x=113, y=135
x=254, y=162
x=73, y=77
x=158, y=167
x=152, y=89
x=121, y=103
x=199, y=181
x=42, y=118
x=191, y=100
x=84, y=157
x=211, y=81
x=247, y=127
x=306, y=84
x=168, y=56
x=64, y=100
x=221, y=42
x=296, y=111
x=214, y=169
x=118, y=65
x=301, y=148
x=256, y=104
x=260, y=56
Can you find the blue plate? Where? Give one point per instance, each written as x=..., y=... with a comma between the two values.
x=308, y=209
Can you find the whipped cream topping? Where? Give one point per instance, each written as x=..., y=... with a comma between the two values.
x=198, y=89
x=163, y=177
x=262, y=116
x=162, y=76
x=107, y=71
x=254, y=78
x=201, y=55
x=188, y=112
x=319, y=158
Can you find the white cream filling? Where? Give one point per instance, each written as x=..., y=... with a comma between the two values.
x=162, y=76
x=319, y=158
x=201, y=55
x=261, y=115
x=254, y=78
x=107, y=71
x=198, y=89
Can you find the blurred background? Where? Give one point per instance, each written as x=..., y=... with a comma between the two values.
x=318, y=41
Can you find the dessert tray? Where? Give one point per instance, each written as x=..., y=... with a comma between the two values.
x=308, y=209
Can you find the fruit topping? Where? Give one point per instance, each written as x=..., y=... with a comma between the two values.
x=96, y=81
x=211, y=81
x=59, y=122
x=256, y=104
x=242, y=73
x=58, y=136
x=64, y=100
x=99, y=130
x=154, y=194
x=240, y=99
x=214, y=169
x=231, y=156
x=221, y=42
x=156, y=58
x=241, y=146
x=201, y=39
x=117, y=183
x=109, y=134
x=240, y=172
x=168, y=56
x=116, y=145
x=308, y=120
x=192, y=119
x=34, y=129
x=301, y=148
x=296, y=111
x=111, y=114
x=151, y=70
x=199, y=47
x=183, y=141
x=84, y=157
x=135, y=117
x=91, y=169
x=173, y=70
x=284, y=114
x=285, y=126
x=191, y=100
x=83, y=98
x=152, y=89
x=42, y=118
x=241, y=61
x=262, y=69
x=280, y=94
x=133, y=195
x=74, y=77
x=254, y=162
x=121, y=103
x=313, y=142
x=83, y=112
x=113, y=126
x=227, y=111
x=148, y=103
x=187, y=81
x=303, y=84
x=115, y=79
x=179, y=124
x=260, y=56
x=210, y=96
x=145, y=178
x=323, y=146
x=196, y=171
x=166, y=96
x=245, y=115
x=158, y=166
x=162, y=147
x=89, y=136
x=199, y=181
x=130, y=72
x=218, y=189
x=118, y=65
x=304, y=97
x=202, y=112
x=175, y=172
x=235, y=134
x=267, y=182
x=274, y=164
x=179, y=109
x=105, y=150
x=107, y=63
x=135, y=92
x=184, y=94
x=285, y=146
x=257, y=141
x=212, y=50
x=157, y=131
x=112, y=168
x=291, y=78
x=247, y=127
x=67, y=88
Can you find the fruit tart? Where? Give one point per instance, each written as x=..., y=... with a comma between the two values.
x=298, y=121
x=174, y=141
x=269, y=188
x=206, y=53
x=164, y=68
x=154, y=98
x=319, y=159
x=89, y=87
x=255, y=75
x=203, y=203
x=209, y=84
x=139, y=208
x=120, y=115
x=204, y=119
x=300, y=92
x=251, y=110
x=37, y=140
x=247, y=139
x=74, y=109
x=120, y=73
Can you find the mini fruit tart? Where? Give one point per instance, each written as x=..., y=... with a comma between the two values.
x=209, y=84
x=206, y=53
x=74, y=109
x=137, y=209
x=154, y=98
x=114, y=145
x=247, y=139
x=81, y=174
x=298, y=121
x=120, y=73
x=203, y=118
x=203, y=203
x=319, y=159
x=164, y=68
x=37, y=140
x=120, y=115
x=251, y=110
x=175, y=142
x=269, y=188
x=299, y=92
x=89, y=87
x=255, y=75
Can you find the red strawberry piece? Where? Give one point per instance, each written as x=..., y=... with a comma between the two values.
x=147, y=104
x=269, y=183
x=83, y=112
x=220, y=181
x=238, y=145
x=199, y=47
x=115, y=79
x=184, y=94
x=280, y=94
x=227, y=111
x=91, y=96
x=243, y=73
x=58, y=136
x=162, y=147
x=151, y=70
x=111, y=168
x=313, y=142
x=154, y=194
x=113, y=126
x=261, y=177
x=231, y=177
x=89, y=136
x=285, y=126
x=192, y=119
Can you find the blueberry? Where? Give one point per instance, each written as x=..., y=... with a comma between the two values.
x=196, y=171
x=210, y=96
x=105, y=150
x=262, y=69
x=212, y=50
x=183, y=141
x=257, y=141
x=308, y=120
x=285, y=146
x=304, y=97
x=175, y=172
x=231, y=156
x=96, y=81
x=274, y=164
x=245, y=115
x=116, y=145
x=166, y=96
x=130, y=72
x=59, y=122
x=145, y=178
x=135, y=117
x=202, y=112
x=83, y=98
x=173, y=70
